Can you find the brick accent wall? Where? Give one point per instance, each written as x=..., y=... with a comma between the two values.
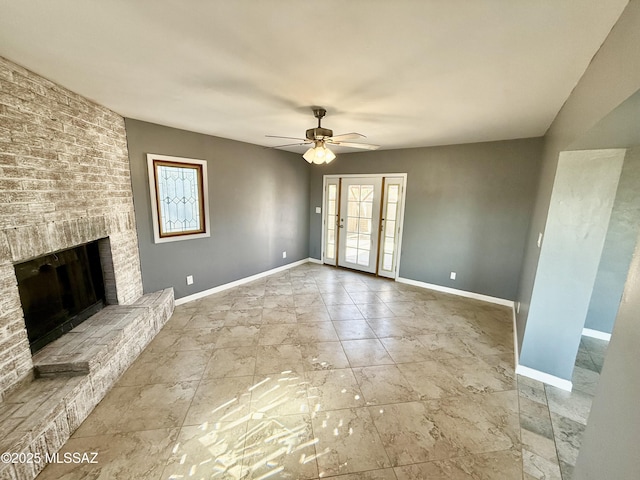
x=64, y=181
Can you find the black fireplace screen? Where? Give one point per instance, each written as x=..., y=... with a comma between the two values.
x=59, y=291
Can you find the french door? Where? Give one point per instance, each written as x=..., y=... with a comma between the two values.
x=358, y=223
x=362, y=222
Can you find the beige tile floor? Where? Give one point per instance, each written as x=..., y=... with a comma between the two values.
x=553, y=421
x=318, y=372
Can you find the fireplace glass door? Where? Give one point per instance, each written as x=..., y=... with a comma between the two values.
x=58, y=291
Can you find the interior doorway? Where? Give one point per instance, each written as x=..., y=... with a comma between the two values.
x=362, y=222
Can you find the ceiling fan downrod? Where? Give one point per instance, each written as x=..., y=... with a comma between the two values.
x=319, y=113
x=319, y=133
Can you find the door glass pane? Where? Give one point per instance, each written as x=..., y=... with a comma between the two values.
x=330, y=244
x=389, y=229
x=366, y=193
x=352, y=225
x=363, y=257
x=353, y=209
x=393, y=193
x=392, y=209
x=354, y=193
x=365, y=209
x=351, y=255
x=388, y=244
x=331, y=209
x=365, y=225
x=352, y=240
x=364, y=242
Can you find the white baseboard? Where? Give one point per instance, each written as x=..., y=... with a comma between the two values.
x=588, y=332
x=544, y=377
x=315, y=260
x=453, y=291
x=227, y=286
x=516, y=348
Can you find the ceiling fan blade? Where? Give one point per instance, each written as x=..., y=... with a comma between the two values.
x=290, y=145
x=348, y=136
x=363, y=146
x=290, y=138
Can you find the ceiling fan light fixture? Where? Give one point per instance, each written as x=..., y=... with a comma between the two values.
x=319, y=154
x=309, y=155
x=329, y=156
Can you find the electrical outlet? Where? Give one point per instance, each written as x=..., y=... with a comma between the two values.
x=190, y=280
x=318, y=210
x=452, y=276
x=284, y=254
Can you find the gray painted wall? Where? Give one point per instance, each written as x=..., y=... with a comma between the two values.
x=581, y=204
x=618, y=248
x=467, y=210
x=258, y=201
x=612, y=76
x=610, y=442
x=619, y=129
x=611, y=439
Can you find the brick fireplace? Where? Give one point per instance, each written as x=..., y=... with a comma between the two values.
x=64, y=181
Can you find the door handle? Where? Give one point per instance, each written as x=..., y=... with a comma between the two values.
x=341, y=225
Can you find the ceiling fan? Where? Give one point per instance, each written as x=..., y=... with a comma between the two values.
x=320, y=137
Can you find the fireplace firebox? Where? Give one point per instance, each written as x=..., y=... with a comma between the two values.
x=59, y=291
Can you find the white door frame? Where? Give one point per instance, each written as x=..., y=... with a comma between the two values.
x=366, y=175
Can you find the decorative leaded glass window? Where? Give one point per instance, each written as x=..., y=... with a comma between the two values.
x=178, y=197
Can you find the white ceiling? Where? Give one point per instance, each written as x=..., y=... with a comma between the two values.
x=406, y=73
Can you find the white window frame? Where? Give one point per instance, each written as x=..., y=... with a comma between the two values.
x=154, y=196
